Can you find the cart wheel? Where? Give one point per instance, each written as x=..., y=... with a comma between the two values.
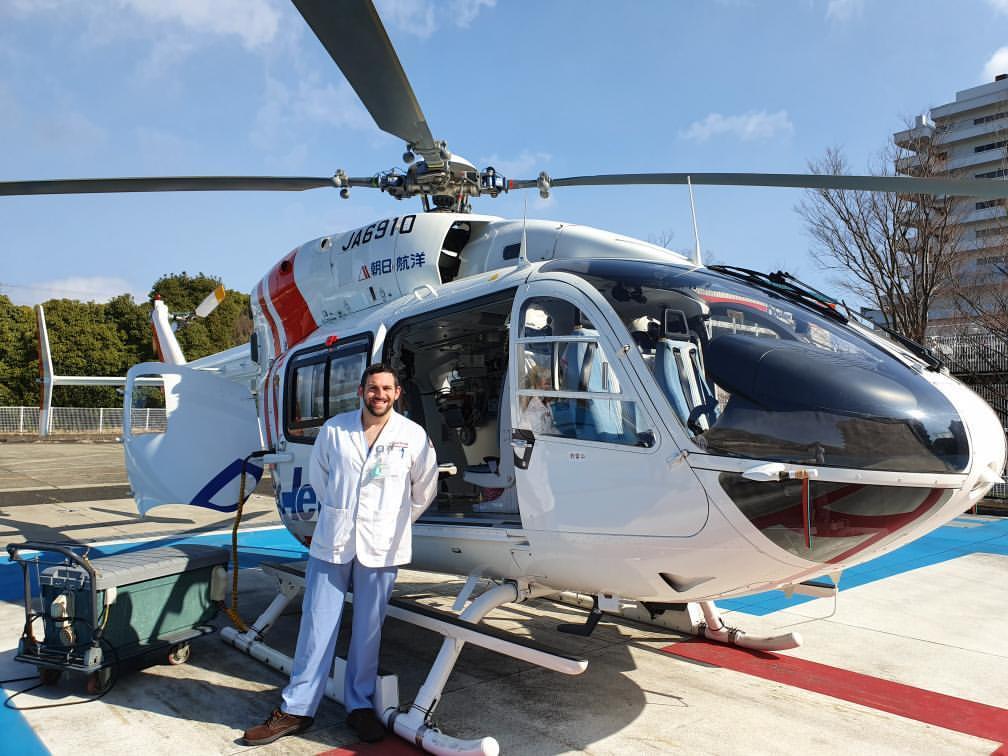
x=49, y=676
x=100, y=681
x=180, y=654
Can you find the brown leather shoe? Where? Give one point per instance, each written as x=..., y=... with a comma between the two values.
x=366, y=724
x=280, y=723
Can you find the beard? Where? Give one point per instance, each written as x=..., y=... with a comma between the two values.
x=370, y=406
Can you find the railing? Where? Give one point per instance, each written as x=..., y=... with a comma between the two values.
x=80, y=420
x=977, y=353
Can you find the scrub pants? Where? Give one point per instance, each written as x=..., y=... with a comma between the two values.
x=326, y=585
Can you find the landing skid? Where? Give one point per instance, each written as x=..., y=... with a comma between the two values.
x=699, y=618
x=415, y=724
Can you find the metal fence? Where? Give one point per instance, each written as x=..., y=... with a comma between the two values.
x=80, y=420
x=974, y=353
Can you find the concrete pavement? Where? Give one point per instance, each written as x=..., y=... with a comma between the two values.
x=920, y=636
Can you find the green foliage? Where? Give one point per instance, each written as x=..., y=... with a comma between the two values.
x=18, y=350
x=89, y=338
x=227, y=326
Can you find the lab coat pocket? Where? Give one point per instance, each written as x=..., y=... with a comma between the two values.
x=335, y=526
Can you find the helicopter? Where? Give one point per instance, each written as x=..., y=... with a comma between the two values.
x=611, y=418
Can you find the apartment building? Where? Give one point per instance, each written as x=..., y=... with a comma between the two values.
x=967, y=138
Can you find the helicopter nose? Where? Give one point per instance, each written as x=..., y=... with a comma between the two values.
x=988, y=443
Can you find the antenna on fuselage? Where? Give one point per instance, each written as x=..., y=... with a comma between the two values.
x=523, y=247
x=697, y=256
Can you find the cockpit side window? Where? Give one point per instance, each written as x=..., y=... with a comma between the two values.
x=567, y=386
x=753, y=373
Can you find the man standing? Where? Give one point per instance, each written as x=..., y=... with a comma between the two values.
x=374, y=473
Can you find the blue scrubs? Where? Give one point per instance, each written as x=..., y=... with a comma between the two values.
x=326, y=586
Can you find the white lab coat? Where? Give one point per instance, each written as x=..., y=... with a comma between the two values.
x=368, y=500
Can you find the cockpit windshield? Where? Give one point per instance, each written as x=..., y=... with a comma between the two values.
x=753, y=373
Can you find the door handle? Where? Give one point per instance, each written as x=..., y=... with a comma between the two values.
x=522, y=442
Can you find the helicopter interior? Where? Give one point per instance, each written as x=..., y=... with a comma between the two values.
x=453, y=365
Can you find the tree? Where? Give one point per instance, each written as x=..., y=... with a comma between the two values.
x=18, y=371
x=89, y=338
x=894, y=250
x=227, y=326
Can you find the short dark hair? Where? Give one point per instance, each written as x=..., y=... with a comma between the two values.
x=379, y=367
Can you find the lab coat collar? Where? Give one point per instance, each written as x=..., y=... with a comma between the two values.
x=360, y=440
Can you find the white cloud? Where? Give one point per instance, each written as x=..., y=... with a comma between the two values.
x=286, y=109
x=748, y=127
x=464, y=12
x=842, y=11
x=422, y=18
x=412, y=16
x=253, y=21
x=82, y=288
x=998, y=63
x=999, y=6
x=164, y=55
x=524, y=166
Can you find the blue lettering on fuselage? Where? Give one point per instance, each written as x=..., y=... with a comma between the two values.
x=300, y=502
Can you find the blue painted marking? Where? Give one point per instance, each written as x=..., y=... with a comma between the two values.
x=221, y=479
x=254, y=547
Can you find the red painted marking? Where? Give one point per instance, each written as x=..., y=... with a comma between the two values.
x=292, y=308
x=949, y=712
x=392, y=745
x=830, y=523
x=269, y=319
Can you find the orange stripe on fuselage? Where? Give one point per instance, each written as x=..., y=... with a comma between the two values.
x=295, y=317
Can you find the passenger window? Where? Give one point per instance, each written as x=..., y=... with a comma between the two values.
x=567, y=384
x=322, y=383
x=309, y=401
x=344, y=379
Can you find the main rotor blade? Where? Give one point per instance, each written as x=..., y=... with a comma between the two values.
x=988, y=188
x=353, y=34
x=166, y=184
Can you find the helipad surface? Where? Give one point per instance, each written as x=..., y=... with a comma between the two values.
x=912, y=658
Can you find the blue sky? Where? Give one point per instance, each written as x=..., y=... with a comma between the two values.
x=187, y=87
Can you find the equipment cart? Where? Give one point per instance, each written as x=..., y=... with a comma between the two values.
x=99, y=613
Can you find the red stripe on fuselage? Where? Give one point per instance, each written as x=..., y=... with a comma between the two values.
x=269, y=319
x=295, y=317
x=949, y=712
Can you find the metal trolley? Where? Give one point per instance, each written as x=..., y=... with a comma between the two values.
x=99, y=613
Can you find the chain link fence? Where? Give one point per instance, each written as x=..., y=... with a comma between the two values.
x=80, y=420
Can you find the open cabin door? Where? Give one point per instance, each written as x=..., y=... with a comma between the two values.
x=592, y=462
x=212, y=425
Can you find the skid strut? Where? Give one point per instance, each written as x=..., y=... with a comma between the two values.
x=715, y=629
x=415, y=725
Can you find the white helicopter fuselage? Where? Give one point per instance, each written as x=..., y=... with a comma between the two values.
x=641, y=487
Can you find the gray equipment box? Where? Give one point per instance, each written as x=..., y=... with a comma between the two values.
x=99, y=613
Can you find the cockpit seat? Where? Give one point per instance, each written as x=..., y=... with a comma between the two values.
x=496, y=476
x=497, y=489
x=487, y=475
